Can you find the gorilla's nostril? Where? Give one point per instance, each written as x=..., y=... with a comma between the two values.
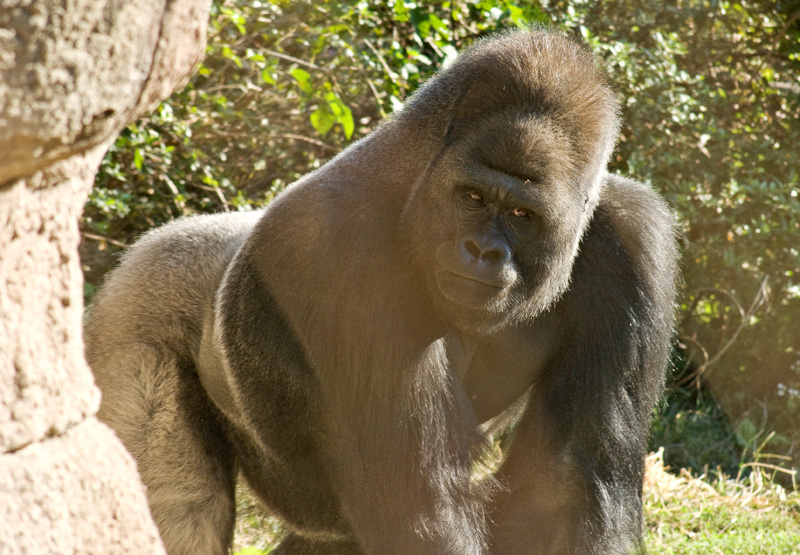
x=495, y=256
x=472, y=249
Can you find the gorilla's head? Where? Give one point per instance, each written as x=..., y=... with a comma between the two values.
x=496, y=218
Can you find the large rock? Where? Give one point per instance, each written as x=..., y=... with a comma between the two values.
x=72, y=74
x=73, y=494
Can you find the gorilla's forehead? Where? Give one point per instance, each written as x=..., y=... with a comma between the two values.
x=526, y=146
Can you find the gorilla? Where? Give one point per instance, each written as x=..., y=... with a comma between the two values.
x=352, y=352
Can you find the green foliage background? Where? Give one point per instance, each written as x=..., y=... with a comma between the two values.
x=710, y=91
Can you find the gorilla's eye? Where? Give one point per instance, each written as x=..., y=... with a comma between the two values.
x=521, y=212
x=475, y=195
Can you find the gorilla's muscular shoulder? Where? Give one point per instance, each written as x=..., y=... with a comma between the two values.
x=170, y=276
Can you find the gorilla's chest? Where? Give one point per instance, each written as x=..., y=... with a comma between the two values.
x=496, y=371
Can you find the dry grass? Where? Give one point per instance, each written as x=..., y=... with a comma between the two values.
x=750, y=515
x=758, y=492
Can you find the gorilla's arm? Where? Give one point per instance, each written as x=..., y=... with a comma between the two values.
x=574, y=470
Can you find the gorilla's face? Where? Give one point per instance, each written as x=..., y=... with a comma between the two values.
x=496, y=222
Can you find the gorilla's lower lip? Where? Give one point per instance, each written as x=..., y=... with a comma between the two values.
x=469, y=292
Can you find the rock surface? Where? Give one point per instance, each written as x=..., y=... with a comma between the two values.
x=72, y=74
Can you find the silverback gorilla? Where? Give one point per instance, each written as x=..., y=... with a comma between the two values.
x=470, y=266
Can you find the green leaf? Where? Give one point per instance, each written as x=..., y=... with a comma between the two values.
x=303, y=79
x=341, y=112
x=138, y=157
x=746, y=432
x=228, y=53
x=322, y=119
x=266, y=76
x=440, y=26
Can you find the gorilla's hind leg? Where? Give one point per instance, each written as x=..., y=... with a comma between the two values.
x=160, y=411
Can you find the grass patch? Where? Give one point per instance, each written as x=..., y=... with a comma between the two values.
x=256, y=532
x=688, y=515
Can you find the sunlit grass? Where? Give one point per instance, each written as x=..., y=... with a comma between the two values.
x=719, y=515
x=256, y=532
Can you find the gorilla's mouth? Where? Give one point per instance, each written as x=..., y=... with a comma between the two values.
x=470, y=292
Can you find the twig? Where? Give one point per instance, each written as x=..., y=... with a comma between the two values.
x=218, y=191
x=790, y=472
x=694, y=376
x=292, y=59
x=381, y=111
x=102, y=239
x=788, y=25
x=392, y=75
x=759, y=299
x=179, y=204
x=309, y=140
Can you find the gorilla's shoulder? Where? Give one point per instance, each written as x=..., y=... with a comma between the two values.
x=642, y=219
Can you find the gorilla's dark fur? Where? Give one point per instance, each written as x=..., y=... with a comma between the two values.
x=351, y=349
